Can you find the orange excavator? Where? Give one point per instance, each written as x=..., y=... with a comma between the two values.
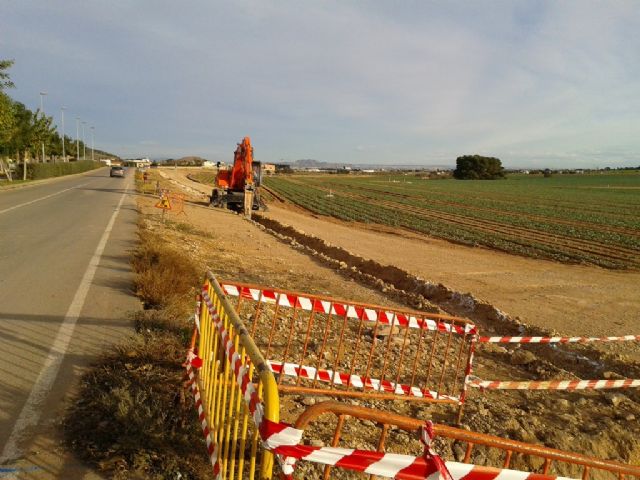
x=238, y=188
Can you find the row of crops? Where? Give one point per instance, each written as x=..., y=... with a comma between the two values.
x=580, y=218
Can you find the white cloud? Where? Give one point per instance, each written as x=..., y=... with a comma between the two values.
x=410, y=80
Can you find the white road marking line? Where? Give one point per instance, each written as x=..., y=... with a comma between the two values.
x=30, y=414
x=41, y=198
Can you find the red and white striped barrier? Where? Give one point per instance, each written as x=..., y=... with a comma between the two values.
x=467, y=471
x=547, y=340
x=356, y=381
x=344, y=309
x=284, y=440
x=191, y=363
x=393, y=465
x=553, y=384
x=271, y=434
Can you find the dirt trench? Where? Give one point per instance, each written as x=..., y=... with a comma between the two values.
x=418, y=293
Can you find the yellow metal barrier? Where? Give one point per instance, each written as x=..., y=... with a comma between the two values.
x=236, y=440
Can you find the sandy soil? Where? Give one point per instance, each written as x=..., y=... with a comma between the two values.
x=244, y=253
x=571, y=299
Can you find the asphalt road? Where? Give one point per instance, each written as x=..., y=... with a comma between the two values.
x=65, y=294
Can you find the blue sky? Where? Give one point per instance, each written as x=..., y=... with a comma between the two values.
x=534, y=83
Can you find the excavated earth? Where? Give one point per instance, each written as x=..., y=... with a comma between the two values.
x=504, y=295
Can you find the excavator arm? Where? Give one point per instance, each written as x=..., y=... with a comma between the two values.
x=242, y=172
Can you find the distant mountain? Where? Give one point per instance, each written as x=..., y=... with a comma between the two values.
x=191, y=159
x=311, y=163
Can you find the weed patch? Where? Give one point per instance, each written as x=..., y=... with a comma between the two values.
x=129, y=419
x=164, y=275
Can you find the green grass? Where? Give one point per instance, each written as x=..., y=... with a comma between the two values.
x=580, y=218
x=204, y=177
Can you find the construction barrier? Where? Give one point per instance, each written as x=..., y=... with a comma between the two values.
x=554, y=384
x=321, y=345
x=237, y=395
x=237, y=400
x=387, y=426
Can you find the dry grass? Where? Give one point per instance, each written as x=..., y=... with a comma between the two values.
x=163, y=275
x=129, y=420
x=131, y=417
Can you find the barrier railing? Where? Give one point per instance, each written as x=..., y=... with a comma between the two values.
x=560, y=384
x=228, y=408
x=237, y=395
x=225, y=360
x=321, y=345
x=386, y=423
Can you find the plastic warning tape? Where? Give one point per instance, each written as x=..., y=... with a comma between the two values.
x=625, y=338
x=467, y=471
x=357, y=381
x=554, y=384
x=393, y=465
x=284, y=440
x=344, y=309
x=271, y=433
x=212, y=447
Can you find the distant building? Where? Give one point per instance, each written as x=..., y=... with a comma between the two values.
x=141, y=162
x=208, y=164
x=268, y=168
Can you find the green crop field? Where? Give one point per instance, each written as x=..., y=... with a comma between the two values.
x=580, y=218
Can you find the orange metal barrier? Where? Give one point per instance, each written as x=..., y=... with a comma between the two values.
x=551, y=458
x=322, y=345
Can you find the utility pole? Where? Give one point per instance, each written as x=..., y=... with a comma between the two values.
x=42, y=94
x=92, y=142
x=84, y=143
x=64, y=154
x=77, y=138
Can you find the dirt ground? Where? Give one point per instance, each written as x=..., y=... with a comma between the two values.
x=571, y=300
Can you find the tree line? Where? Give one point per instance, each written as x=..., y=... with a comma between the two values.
x=23, y=131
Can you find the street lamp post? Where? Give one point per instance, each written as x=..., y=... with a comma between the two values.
x=64, y=153
x=77, y=138
x=92, y=142
x=84, y=143
x=42, y=94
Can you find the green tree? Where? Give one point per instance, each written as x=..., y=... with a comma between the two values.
x=477, y=167
x=7, y=120
x=6, y=104
x=22, y=130
x=42, y=131
x=5, y=80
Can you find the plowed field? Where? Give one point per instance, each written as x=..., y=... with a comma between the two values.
x=592, y=219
